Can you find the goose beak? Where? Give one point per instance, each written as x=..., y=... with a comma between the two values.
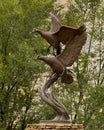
x=34, y=30
x=37, y=58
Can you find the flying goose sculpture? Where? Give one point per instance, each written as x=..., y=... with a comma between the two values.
x=58, y=33
x=69, y=55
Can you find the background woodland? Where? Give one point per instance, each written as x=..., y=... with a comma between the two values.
x=21, y=75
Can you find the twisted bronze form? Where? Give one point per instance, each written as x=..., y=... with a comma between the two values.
x=51, y=100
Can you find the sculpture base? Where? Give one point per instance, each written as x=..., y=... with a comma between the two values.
x=54, y=126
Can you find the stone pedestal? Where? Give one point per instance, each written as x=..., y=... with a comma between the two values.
x=54, y=126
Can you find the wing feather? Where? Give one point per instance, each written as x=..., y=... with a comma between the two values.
x=65, y=33
x=72, y=49
x=56, y=23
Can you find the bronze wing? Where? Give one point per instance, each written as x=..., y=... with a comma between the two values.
x=56, y=23
x=72, y=49
x=65, y=33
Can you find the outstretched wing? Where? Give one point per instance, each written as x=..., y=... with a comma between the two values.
x=56, y=23
x=72, y=49
x=67, y=33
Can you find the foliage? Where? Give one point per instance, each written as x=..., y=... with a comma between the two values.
x=86, y=94
x=21, y=74
x=19, y=102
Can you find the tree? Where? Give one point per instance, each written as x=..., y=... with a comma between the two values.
x=85, y=95
x=19, y=71
x=18, y=68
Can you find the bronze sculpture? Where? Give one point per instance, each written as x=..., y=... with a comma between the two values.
x=74, y=39
x=56, y=24
x=58, y=33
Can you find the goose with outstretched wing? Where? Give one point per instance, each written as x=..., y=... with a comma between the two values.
x=58, y=33
x=68, y=56
x=47, y=35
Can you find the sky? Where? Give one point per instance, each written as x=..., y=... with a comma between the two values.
x=62, y=1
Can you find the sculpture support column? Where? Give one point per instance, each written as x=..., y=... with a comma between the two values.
x=51, y=100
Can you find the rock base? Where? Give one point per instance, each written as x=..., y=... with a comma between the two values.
x=54, y=126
